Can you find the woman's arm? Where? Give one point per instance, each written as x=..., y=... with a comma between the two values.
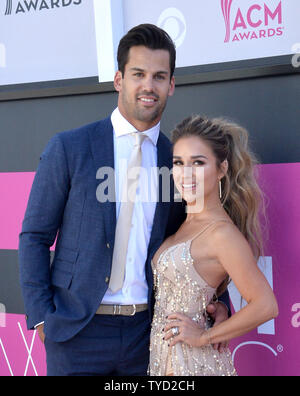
x=234, y=254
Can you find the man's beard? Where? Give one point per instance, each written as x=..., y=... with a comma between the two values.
x=145, y=115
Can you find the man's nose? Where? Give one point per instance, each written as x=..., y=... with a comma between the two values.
x=148, y=84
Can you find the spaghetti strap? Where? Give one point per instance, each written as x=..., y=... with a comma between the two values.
x=208, y=226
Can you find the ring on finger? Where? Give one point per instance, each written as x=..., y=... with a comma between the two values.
x=175, y=331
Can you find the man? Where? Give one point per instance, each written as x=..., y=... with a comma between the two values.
x=93, y=305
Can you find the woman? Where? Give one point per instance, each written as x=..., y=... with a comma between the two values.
x=220, y=240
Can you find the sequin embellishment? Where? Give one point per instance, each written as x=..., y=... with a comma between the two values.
x=179, y=288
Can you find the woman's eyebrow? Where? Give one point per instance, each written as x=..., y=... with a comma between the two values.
x=198, y=156
x=192, y=157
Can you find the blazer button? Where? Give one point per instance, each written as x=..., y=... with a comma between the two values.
x=107, y=279
x=108, y=246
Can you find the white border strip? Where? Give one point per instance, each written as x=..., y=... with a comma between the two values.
x=2, y=55
x=109, y=28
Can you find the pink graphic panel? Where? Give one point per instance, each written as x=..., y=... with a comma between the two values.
x=274, y=349
x=21, y=351
x=14, y=194
x=271, y=350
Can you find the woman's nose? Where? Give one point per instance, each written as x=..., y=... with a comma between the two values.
x=187, y=172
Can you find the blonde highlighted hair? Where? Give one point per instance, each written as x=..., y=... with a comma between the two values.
x=241, y=198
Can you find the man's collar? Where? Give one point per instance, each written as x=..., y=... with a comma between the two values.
x=123, y=127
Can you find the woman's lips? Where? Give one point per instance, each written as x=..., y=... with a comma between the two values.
x=189, y=186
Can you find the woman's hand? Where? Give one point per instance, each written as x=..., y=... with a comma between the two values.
x=189, y=331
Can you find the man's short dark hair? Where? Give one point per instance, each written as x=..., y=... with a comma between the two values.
x=149, y=36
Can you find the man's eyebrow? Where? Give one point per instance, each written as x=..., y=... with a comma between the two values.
x=137, y=69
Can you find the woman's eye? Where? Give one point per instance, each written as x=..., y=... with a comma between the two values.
x=199, y=163
x=196, y=163
x=177, y=163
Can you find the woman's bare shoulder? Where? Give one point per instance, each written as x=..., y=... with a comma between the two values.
x=225, y=237
x=222, y=235
x=225, y=229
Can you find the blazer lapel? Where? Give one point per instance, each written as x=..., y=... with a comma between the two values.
x=102, y=147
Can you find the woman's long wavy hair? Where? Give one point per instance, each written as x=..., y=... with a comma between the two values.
x=241, y=198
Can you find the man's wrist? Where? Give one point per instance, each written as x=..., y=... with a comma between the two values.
x=39, y=324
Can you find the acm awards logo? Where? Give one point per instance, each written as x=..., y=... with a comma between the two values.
x=173, y=21
x=251, y=22
x=25, y=6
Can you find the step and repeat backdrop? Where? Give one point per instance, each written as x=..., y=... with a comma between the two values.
x=43, y=40
x=53, y=40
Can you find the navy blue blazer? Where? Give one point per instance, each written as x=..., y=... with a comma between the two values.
x=63, y=207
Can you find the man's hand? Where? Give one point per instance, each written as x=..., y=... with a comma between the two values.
x=219, y=314
x=40, y=330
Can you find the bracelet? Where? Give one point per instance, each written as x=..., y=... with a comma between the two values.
x=207, y=333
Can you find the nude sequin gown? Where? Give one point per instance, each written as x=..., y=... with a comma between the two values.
x=179, y=288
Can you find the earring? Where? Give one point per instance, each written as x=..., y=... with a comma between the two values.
x=220, y=189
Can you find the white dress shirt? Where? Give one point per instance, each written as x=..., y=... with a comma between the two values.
x=135, y=287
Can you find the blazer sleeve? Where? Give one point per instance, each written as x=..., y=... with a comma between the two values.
x=42, y=221
x=225, y=299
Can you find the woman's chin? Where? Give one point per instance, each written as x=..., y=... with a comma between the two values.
x=189, y=197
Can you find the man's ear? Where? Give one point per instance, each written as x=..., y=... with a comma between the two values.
x=118, y=81
x=172, y=86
